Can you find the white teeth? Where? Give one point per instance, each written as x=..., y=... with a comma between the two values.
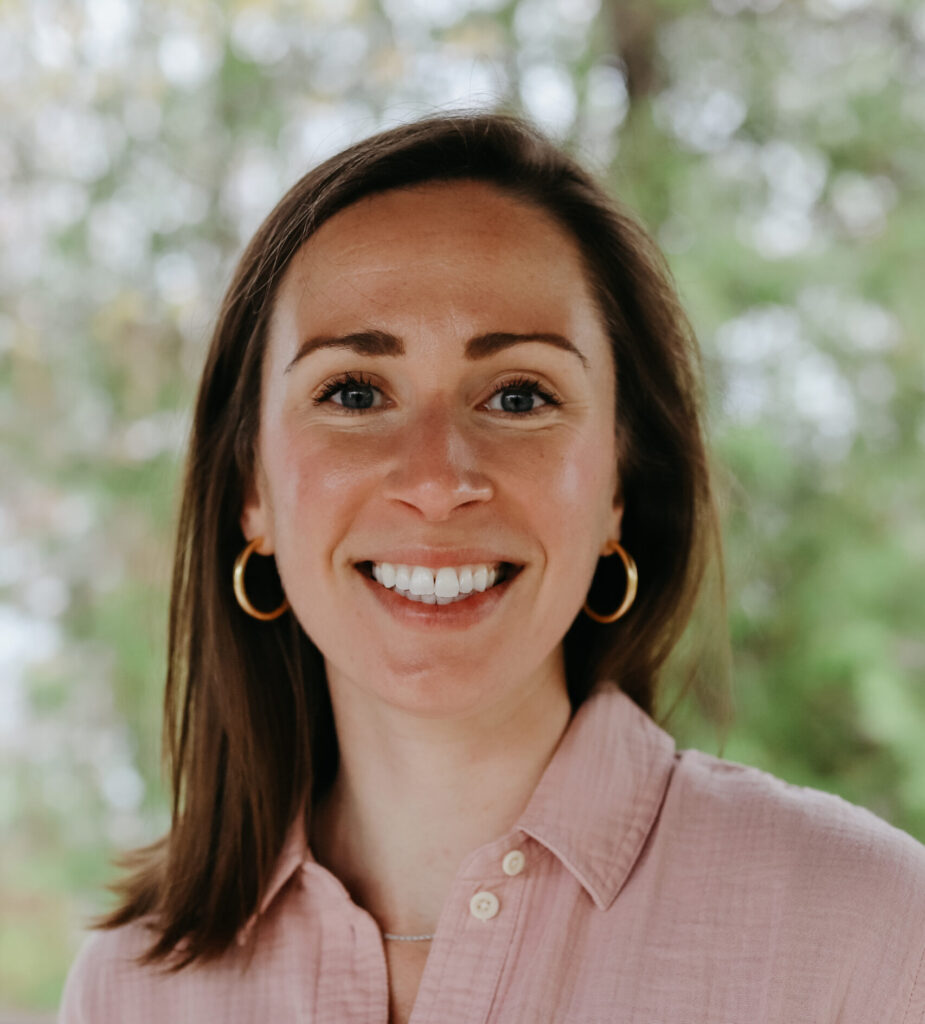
x=446, y=583
x=422, y=581
x=440, y=586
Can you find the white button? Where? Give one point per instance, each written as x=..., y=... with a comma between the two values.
x=513, y=862
x=484, y=905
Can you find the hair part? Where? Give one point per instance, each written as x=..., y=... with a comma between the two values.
x=248, y=729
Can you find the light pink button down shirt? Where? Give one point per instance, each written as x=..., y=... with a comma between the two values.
x=655, y=887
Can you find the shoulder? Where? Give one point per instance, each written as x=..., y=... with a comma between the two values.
x=822, y=875
x=739, y=793
x=793, y=824
x=815, y=847
x=103, y=972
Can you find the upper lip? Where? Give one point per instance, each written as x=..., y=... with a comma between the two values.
x=431, y=558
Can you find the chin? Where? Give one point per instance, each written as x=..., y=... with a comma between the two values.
x=430, y=688
x=437, y=694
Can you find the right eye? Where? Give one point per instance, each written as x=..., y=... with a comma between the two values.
x=357, y=394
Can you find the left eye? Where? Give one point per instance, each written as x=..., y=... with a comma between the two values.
x=519, y=397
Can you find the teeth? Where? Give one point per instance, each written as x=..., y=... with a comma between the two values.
x=446, y=583
x=443, y=586
x=422, y=581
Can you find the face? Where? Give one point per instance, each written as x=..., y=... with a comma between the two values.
x=438, y=393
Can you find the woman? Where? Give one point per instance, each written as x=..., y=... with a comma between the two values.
x=451, y=400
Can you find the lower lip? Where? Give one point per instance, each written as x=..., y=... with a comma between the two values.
x=458, y=615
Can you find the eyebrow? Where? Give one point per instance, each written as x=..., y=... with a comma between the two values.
x=381, y=343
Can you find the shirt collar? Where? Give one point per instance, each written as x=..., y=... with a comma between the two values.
x=294, y=854
x=594, y=807
x=601, y=793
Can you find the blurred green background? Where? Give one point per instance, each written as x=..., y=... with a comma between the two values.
x=775, y=149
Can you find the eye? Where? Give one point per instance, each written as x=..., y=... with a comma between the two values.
x=357, y=393
x=518, y=397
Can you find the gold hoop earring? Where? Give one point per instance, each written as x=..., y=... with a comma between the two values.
x=632, y=584
x=240, y=563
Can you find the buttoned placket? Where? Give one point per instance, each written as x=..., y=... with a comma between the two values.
x=475, y=933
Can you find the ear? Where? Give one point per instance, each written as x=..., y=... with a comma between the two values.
x=256, y=511
x=617, y=519
x=615, y=522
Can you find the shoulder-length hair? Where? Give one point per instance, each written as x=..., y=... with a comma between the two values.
x=248, y=732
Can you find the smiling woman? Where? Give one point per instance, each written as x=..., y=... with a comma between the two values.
x=415, y=770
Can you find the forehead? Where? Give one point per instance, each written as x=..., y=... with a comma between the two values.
x=438, y=214
x=444, y=251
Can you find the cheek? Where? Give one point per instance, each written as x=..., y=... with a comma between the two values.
x=574, y=513
x=576, y=476
x=318, y=478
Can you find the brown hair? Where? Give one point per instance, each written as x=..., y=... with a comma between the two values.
x=248, y=730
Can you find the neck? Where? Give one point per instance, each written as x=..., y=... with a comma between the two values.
x=414, y=796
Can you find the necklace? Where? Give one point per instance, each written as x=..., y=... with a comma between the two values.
x=407, y=938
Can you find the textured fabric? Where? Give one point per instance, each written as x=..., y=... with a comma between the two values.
x=657, y=887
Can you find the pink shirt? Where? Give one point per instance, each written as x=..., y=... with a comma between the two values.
x=651, y=887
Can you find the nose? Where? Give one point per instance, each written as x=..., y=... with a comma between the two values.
x=436, y=467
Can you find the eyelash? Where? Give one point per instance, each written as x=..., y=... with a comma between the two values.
x=525, y=385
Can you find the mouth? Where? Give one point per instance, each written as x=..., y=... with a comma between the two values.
x=448, y=585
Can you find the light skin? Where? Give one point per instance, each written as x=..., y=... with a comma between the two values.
x=443, y=732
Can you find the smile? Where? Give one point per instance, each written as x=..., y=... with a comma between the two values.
x=446, y=585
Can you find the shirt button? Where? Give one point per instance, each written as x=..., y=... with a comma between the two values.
x=513, y=862
x=484, y=905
